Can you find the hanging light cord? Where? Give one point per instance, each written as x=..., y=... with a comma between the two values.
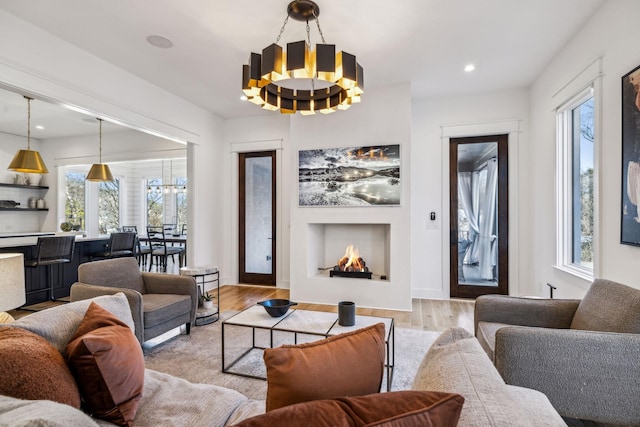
x=28, y=122
x=100, y=149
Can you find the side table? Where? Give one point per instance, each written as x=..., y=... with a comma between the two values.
x=205, y=274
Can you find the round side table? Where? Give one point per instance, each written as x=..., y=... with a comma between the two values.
x=202, y=275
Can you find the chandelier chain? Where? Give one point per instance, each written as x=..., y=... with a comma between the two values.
x=284, y=24
x=319, y=29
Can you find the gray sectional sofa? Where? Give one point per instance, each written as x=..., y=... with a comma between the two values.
x=455, y=363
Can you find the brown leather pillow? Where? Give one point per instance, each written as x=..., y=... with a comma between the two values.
x=33, y=369
x=348, y=364
x=108, y=364
x=395, y=409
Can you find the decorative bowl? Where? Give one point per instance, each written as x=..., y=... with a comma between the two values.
x=277, y=307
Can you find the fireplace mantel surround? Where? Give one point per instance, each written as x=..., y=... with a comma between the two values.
x=382, y=241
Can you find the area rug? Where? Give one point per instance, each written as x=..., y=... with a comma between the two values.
x=197, y=357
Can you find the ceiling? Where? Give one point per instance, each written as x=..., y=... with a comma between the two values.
x=424, y=42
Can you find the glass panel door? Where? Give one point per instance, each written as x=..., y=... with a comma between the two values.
x=257, y=217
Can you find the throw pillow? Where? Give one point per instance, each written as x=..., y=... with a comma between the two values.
x=107, y=361
x=33, y=369
x=395, y=409
x=349, y=364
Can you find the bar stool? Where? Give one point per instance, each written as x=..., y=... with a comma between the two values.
x=50, y=251
x=200, y=275
x=120, y=245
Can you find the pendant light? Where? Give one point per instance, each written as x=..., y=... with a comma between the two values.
x=28, y=161
x=99, y=171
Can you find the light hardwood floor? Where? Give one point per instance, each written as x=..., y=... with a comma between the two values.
x=432, y=315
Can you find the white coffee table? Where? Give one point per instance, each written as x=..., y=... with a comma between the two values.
x=300, y=322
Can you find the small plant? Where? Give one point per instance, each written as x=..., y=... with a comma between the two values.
x=207, y=297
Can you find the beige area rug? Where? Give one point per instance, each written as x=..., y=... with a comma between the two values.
x=197, y=357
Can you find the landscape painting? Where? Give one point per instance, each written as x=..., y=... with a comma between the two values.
x=353, y=176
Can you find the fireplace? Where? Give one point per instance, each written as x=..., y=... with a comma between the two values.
x=326, y=245
x=351, y=265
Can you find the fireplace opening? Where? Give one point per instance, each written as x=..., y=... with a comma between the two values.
x=351, y=265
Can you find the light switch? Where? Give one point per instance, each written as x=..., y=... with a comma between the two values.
x=433, y=220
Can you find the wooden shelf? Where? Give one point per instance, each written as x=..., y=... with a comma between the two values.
x=32, y=187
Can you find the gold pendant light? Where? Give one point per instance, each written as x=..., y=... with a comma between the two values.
x=28, y=161
x=99, y=171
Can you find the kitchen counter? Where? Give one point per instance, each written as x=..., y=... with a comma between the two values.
x=37, y=279
x=8, y=240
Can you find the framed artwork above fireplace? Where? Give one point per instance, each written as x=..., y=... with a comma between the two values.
x=349, y=176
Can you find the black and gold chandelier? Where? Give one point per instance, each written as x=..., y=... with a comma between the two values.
x=302, y=79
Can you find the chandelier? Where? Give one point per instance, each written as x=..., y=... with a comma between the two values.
x=167, y=188
x=301, y=79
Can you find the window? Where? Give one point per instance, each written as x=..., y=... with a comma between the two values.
x=576, y=135
x=74, y=208
x=155, y=202
x=181, y=200
x=108, y=206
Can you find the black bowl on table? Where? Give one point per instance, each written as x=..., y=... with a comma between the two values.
x=277, y=307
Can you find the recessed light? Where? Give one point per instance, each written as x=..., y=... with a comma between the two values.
x=40, y=127
x=469, y=68
x=159, y=41
x=243, y=98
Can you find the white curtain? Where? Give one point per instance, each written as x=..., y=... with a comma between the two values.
x=633, y=186
x=487, y=222
x=465, y=180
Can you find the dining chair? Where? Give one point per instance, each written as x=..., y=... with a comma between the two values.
x=160, y=249
x=142, y=251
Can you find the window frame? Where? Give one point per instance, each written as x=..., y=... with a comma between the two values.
x=565, y=183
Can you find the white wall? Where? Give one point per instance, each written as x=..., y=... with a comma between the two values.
x=433, y=120
x=40, y=64
x=611, y=34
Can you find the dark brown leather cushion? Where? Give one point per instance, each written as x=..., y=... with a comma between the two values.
x=348, y=364
x=395, y=409
x=33, y=369
x=108, y=364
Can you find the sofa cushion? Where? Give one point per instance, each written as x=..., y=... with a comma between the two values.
x=107, y=361
x=609, y=307
x=31, y=368
x=456, y=363
x=41, y=413
x=58, y=324
x=169, y=400
x=486, y=335
x=400, y=408
x=158, y=308
x=349, y=364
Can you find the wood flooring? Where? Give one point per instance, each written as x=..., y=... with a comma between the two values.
x=432, y=315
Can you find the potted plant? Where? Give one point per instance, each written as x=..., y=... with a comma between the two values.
x=207, y=300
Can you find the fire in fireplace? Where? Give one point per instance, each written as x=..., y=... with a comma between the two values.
x=351, y=265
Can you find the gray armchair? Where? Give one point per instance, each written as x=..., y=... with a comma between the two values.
x=159, y=302
x=583, y=354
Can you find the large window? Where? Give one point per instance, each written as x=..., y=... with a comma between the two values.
x=576, y=136
x=74, y=205
x=155, y=202
x=108, y=206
